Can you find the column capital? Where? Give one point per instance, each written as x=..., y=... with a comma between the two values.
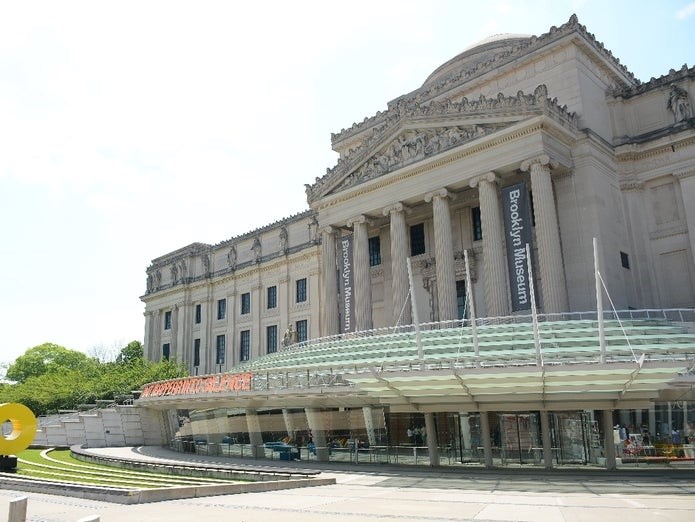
x=396, y=207
x=358, y=220
x=328, y=229
x=542, y=159
x=490, y=176
x=439, y=193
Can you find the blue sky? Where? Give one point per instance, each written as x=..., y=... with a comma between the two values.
x=129, y=129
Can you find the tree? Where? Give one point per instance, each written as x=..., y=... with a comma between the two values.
x=47, y=358
x=132, y=352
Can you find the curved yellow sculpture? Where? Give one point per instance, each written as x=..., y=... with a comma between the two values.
x=23, y=428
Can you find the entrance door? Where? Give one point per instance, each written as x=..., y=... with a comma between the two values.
x=520, y=438
x=572, y=436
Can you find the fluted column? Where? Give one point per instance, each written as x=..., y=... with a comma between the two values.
x=496, y=293
x=329, y=310
x=444, y=254
x=363, y=287
x=399, y=269
x=547, y=236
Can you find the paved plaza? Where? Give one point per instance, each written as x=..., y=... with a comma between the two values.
x=373, y=493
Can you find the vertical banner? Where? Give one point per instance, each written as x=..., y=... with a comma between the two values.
x=517, y=230
x=347, y=283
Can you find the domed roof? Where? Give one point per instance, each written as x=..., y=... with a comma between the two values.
x=482, y=51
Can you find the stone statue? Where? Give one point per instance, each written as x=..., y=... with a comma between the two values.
x=679, y=104
x=206, y=264
x=290, y=336
x=174, y=273
x=231, y=257
x=284, y=247
x=158, y=279
x=314, y=230
x=256, y=249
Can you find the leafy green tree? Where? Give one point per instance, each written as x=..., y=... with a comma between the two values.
x=133, y=351
x=47, y=358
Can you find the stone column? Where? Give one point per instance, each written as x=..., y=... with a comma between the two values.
x=547, y=443
x=496, y=280
x=255, y=434
x=608, y=443
x=686, y=179
x=329, y=309
x=432, y=445
x=444, y=254
x=633, y=193
x=487, y=442
x=552, y=269
x=363, y=286
x=149, y=335
x=317, y=425
x=399, y=269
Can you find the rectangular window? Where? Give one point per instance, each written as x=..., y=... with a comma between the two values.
x=245, y=345
x=301, y=290
x=477, y=224
x=417, y=239
x=272, y=297
x=624, y=260
x=245, y=303
x=461, y=299
x=374, y=251
x=196, y=352
x=220, y=349
x=198, y=313
x=221, y=308
x=302, y=331
x=167, y=320
x=271, y=335
x=165, y=352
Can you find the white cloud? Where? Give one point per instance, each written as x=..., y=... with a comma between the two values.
x=686, y=12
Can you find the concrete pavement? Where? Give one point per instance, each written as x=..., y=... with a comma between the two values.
x=375, y=493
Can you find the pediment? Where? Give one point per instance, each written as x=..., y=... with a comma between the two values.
x=415, y=133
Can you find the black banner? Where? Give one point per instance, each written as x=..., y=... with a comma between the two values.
x=517, y=228
x=347, y=283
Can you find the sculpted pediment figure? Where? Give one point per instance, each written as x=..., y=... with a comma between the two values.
x=407, y=135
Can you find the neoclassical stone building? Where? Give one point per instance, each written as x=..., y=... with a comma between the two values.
x=544, y=139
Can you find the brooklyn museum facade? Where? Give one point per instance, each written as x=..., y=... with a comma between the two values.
x=498, y=270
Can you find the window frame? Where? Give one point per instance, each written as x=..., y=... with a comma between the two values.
x=196, y=352
x=420, y=240
x=271, y=341
x=221, y=309
x=166, y=351
x=302, y=329
x=301, y=293
x=374, y=251
x=167, y=320
x=272, y=297
x=244, y=345
x=198, y=313
x=245, y=308
x=220, y=348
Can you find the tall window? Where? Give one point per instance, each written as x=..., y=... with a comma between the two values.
x=271, y=335
x=302, y=331
x=165, y=351
x=245, y=345
x=221, y=308
x=167, y=320
x=460, y=299
x=374, y=251
x=198, y=313
x=220, y=348
x=196, y=352
x=272, y=297
x=245, y=303
x=477, y=224
x=301, y=290
x=417, y=239
x=624, y=260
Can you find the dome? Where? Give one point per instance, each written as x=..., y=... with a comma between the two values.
x=482, y=51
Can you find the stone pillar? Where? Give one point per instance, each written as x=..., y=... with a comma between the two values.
x=255, y=434
x=552, y=269
x=444, y=254
x=369, y=425
x=608, y=443
x=686, y=179
x=466, y=439
x=329, y=309
x=633, y=193
x=652, y=421
x=487, y=442
x=363, y=283
x=432, y=445
x=495, y=257
x=547, y=443
x=399, y=270
x=149, y=336
x=289, y=423
x=317, y=426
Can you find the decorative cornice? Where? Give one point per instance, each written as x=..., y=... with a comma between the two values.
x=655, y=83
x=630, y=185
x=687, y=172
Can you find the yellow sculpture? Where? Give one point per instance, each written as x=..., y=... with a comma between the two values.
x=23, y=428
